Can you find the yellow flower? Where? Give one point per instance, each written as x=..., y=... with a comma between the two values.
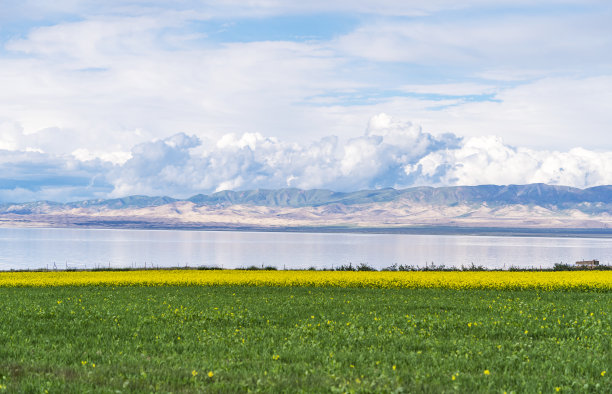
x=452, y=280
x=526, y=331
x=557, y=388
x=210, y=374
x=453, y=377
x=486, y=372
x=93, y=365
x=603, y=373
x=394, y=367
x=194, y=372
x=83, y=362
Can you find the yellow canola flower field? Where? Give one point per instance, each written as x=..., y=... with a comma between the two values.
x=576, y=280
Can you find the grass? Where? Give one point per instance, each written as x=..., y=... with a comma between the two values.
x=228, y=339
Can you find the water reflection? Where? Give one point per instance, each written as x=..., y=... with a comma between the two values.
x=27, y=248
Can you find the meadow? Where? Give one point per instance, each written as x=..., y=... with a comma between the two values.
x=392, y=333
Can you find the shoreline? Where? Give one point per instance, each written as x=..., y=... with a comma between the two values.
x=340, y=268
x=559, y=232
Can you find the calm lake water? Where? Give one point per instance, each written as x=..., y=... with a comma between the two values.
x=27, y=248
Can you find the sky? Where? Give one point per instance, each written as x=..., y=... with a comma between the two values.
x=102, y=99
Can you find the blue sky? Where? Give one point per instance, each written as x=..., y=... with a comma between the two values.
x=340, y=94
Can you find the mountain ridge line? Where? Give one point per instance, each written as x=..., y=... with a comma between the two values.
x=530, y=194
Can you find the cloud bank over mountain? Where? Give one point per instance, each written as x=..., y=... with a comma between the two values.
x=102, y=99
x=391, y=153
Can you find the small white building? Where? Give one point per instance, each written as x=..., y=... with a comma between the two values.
x=587, y=263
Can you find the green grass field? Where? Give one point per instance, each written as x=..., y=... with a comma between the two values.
x=227, y=339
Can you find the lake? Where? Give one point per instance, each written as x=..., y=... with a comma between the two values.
x=32, y=248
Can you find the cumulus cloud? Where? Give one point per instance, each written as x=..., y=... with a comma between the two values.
x=376, y=159
x=487, y=160
x=35, y=176
x=390, y=153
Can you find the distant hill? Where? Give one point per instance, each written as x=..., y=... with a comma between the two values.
x=492, y=195
x=125, y=202
x=114, y=203
x=513, y=206
x=295, y=197
x=537, y=194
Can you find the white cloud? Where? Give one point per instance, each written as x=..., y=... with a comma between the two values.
x=122, y=74
x=552, y=113
x=253, y=161
x=391, y=153
x=32, y=176
x=524, y=41
x=487, y=160
x=110, y=77
x=103, y=84
x=10, y=136
x=83, y=154
x=452, y=89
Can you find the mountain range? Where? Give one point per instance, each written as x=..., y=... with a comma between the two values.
x=533, y=206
